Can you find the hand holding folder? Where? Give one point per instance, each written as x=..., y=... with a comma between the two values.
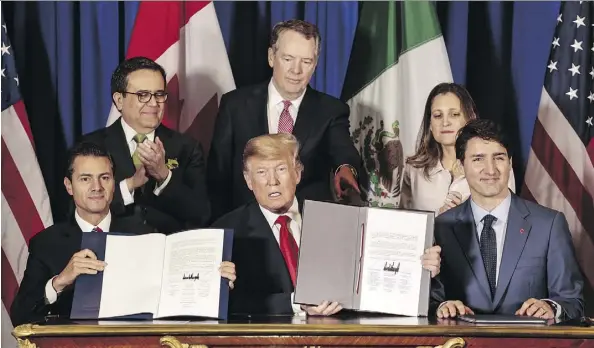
x=82, y=262
x=376, y=263
x=156, y=276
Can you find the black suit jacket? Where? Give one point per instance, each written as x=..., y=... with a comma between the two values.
x=49, y=252
x=263, y=285
x=183, y=204
x=322, y=128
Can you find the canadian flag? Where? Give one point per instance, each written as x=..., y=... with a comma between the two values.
x=185, y=38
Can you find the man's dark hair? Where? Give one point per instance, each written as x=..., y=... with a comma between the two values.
x=119, y=78
x=86, y=148
x=484, y=129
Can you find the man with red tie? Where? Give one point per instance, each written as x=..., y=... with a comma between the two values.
x=55, y=259
x=284, y=104
x=267, y=232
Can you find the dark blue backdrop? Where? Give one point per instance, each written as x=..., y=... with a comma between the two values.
x=66, y=52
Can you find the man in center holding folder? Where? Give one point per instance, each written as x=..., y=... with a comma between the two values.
x=267, y=232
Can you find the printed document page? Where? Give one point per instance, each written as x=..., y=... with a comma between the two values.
x=191, y=277
x=391, y=279
x=132, y=277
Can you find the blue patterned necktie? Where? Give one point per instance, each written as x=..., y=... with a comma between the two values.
x=489, y=251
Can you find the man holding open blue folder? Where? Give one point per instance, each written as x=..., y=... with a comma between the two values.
x=55, y=259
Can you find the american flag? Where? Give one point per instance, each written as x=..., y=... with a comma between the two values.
x=25, y=202
x=559, y=173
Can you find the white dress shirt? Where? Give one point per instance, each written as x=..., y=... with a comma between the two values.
x=294, y=228
x=129, y=132
x=501, y=213
x=275, y=107
x=51, y=295
x=421, y=193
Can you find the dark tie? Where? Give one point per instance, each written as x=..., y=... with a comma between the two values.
x=97, y=229
x=288, y=246
x=489, y=250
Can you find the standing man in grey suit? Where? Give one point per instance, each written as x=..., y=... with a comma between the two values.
x=500, y=253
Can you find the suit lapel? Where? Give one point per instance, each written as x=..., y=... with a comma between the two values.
x=465, y=232
x=118, y=148
x=257, y=105
x=72, y=236
x=171, y=147
x=258, y=227
x=518, y=229
x=306, y=117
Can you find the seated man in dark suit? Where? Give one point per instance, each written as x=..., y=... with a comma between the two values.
x=160, y=172
x=503, y=254
x=267, y=232
x=285, y=104
x=55, y=259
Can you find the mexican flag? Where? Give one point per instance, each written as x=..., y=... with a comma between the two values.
x=398, y=56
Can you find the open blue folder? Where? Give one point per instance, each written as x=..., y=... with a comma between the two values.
x=155, y=276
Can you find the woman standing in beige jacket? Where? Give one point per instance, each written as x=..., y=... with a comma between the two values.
x=433, y=178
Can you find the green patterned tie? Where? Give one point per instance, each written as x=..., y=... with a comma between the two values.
x=138, y=138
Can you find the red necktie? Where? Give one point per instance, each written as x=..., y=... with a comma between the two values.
x=97, y=229
x=288, y=246
x=285, y=122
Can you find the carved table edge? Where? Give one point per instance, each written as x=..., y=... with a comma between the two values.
x=457, y=342
x=172, y=342
x=25, y=343
x=32, y=330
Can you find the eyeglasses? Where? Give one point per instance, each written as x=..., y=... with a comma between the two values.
x=145, y=96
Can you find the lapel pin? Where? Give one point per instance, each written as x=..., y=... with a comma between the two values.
x=521, y=230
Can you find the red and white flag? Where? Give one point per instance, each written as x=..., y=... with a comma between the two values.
x=25, y=202
x=186, y=39
x=560, y=170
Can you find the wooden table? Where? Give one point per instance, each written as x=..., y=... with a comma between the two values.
x=300, y=332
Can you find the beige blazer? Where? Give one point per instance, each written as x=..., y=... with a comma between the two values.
x=421, y=193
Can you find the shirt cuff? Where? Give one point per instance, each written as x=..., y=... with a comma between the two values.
x=127, y=197
x=160, y=188
x=296, y=307
x=556, y=307
x=51, y=295
x=353, y=170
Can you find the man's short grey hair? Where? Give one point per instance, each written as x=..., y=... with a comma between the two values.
x=308, y=30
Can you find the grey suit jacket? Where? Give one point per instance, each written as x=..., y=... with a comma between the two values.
x=538, y=261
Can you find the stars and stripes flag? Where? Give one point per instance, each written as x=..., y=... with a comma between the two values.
x=559, y=173
x=25, y=202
